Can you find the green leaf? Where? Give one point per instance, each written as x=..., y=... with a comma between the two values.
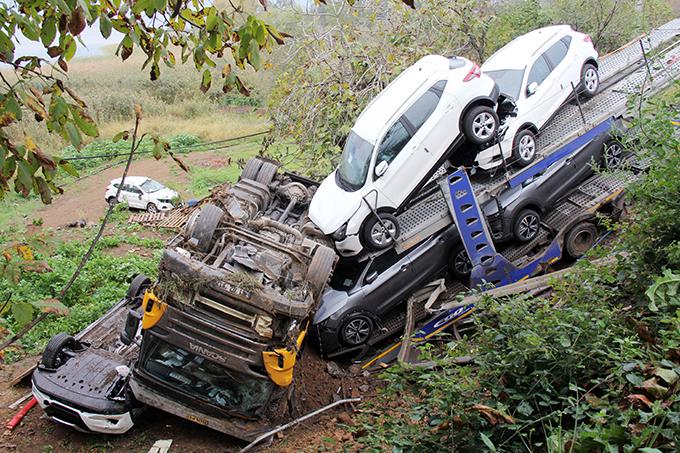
x=49, y=31
x=487, y=442
x=254, y=55
x=68, y=168
x=104, y=25
x=122, y=135
x=51, y=306
x=43, y=189
x=83, y=121
x=70, y=48
x=206, y=81
x=634, y=379
x=73, y=134
x=525, y=408
x=22, y=312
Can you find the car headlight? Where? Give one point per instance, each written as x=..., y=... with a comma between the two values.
x=340, y=234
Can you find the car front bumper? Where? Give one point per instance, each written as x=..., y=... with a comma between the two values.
x=350, y=246
x=80, y=420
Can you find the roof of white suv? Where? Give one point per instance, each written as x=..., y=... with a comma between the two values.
x=385, y=106
x=137, y=180
x=516, y=53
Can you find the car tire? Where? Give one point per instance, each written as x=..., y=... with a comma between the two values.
x=111, y=201
x=612, y=155
x=137, y=287
x=480, y=124
x=579, y=239
x=526, y=226
x=152, y=208
x=266, y=174
x=460, y=266
x=204, y=225
x=53, y=356
x=590, y=81
x=320, y=269
x=356, y=330
x=524, y=148
x=251, y=168
x=375, y=236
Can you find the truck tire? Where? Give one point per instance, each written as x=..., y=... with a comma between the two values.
x=320, y=269
x=590, y=81
x=53, y=356
x=138, y=286
x=480, y=124
x=204, y=226
x=376, y=236
x=579, y=239
x=460, y=266
x=356, y=330
x=526, y=226
x=267, y=172
x=524, y=148
x=251, y=168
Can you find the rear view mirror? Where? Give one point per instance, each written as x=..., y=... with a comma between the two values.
x=381, y=168
x=134, y=318
x=370, y=278
x=531, y=89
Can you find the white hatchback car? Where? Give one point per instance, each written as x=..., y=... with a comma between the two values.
x=537, y=71
x=396, y=145
x=142, y=193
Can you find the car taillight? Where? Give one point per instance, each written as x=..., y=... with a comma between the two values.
x=474, y=72
x=587, y=38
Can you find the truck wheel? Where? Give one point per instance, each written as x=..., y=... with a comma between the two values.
x=380, y=235
x=356, y=330
x=138, y=286
x=612, y=154
x=579, y=239
x=524, y=148
x=480, y=124
x=204, y=225
x=526, y=225
x=459, y=263
x=251, y=168
x=54, y=354
x=590, y=81
x=319, y=270
x=266, y=174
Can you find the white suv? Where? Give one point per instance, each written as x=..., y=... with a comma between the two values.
x=537, y=71
x=397, y=143
x=142, y=193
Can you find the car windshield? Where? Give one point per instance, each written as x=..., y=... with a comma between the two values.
x=206, y=380
x=509, y=81
x=150, y=186
x=354, y=163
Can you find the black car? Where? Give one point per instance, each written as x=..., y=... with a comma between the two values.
x=516, y=212
x=362, y=295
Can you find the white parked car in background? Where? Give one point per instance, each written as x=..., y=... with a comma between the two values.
x=142, y=193
x=397, y=143
x=537, y=71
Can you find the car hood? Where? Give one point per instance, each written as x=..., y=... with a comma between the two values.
x=331, y=302
x=331, y=206
x=164, y=194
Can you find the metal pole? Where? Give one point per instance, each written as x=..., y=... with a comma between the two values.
x=644, y=56
x=578, y=103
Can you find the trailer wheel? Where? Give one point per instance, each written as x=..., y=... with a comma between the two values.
x=526, y=225
x=204, y=225
x=266, y=173
x=54, y=354
x=319, y=270
x=138, y=286
x=251, y=168
x=579, y=239
x=380, y=235
x=480, y=124
x=459, y=263
x=524, y=148
x=356, y=330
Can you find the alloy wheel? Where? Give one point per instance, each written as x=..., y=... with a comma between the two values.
x=483, y=126
x=383, y=235
x=357, y=331
x=528, y=227
x=590, y=79
x=613, y=156
x=527, y=147
x=462, y=263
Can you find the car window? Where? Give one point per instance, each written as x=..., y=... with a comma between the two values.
x=393, y=142
x=539, y=71
x=354, y=162
x=557, y=52
x=383, y=262
x=132, y=189
x=509, y=81
x=152, y=186
x=421, y=110
x=346, y=274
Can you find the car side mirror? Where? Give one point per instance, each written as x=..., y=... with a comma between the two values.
x=134, y=318
x=140, y=196
x=531, y=89
x=381, y=168
x=370, y=278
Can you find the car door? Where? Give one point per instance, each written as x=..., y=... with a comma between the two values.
x=536, y=108
x=433, y=119
x=135, y=197
x=387, y=281
x=560, y=62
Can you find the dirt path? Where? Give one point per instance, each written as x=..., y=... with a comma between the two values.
x=84, y=199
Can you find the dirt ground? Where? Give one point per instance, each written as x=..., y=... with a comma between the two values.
x=84, y=199
x=37, y=434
